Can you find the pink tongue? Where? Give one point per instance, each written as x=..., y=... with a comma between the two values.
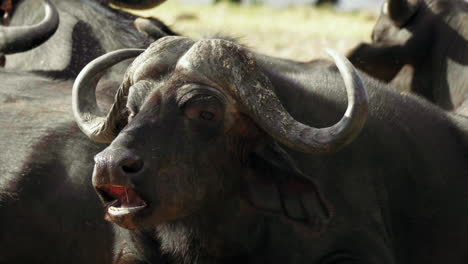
x=127, y=196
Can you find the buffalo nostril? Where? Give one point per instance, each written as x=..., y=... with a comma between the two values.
x=132, y=166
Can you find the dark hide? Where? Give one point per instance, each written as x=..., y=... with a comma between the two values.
x=48, y=210
x=219, y=189
x=426, y=53
x=87, y=30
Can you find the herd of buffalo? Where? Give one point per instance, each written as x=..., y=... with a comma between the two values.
x=123, y=142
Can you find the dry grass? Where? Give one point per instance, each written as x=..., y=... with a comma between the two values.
x=299, y=33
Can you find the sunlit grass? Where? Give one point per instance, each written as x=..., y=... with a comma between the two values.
x=299, y=32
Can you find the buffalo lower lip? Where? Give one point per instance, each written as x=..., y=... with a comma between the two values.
x=121, y=211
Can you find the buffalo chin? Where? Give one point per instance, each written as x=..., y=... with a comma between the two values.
x=123, y=204
x=126, y=208
x=139, y=219
x=131, y=218
x=127, y=221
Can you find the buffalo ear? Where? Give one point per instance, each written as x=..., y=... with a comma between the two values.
x=400, y=11
x=278, y=186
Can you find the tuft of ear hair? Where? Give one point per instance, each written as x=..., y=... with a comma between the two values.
x=153, y=28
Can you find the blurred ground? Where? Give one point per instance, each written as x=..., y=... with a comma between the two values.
x=300, y=33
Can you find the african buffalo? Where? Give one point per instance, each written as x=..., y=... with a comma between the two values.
x=215, y=157
x=87, y=29
x=423, y=46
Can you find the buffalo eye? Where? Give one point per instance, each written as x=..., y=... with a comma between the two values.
x=203, y=108
x=203, y=112
x=207, y=115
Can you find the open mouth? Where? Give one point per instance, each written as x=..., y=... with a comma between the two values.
x=121, y=200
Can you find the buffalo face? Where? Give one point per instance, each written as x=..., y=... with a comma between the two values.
x=403, y=22
x=183, y=147
x=186, y=123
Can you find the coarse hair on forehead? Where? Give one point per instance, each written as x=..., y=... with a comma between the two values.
x=164, y=53
x=139, y=92
x=215, y=62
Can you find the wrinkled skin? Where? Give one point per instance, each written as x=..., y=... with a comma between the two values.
x=424, y=50
x=216, y=188
x=87, y=29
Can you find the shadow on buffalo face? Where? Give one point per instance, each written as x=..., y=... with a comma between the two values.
x=421, y=46
x=195, y=124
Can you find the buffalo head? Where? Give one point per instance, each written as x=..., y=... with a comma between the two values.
x=421, y=46
x=404, y=23
x=186, y=122
x=398, y=38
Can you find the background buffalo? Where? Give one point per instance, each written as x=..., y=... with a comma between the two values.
x=421, y=46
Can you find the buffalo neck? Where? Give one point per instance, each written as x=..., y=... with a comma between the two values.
x=407, y=155
x=227, y=231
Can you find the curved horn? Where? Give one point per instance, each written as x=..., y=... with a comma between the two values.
x=274, y=119
x=228, y=66
x=96, y=126
x=23, y=38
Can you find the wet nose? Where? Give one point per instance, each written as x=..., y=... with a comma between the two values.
x=116, y=167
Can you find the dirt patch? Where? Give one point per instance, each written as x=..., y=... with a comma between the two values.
x=300, y=33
